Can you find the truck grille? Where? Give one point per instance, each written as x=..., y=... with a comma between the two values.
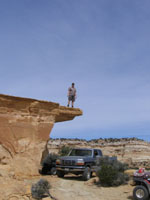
x=68, y=162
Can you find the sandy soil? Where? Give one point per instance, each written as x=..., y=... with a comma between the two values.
x=75, y=189
x=67, y=188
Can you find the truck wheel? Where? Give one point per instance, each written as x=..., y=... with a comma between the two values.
x=86, y=174
x=60, y=174
x=140, y=193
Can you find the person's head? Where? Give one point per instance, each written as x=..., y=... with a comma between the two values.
x=73, y=85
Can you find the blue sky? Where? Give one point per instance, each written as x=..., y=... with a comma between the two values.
x=101, y=45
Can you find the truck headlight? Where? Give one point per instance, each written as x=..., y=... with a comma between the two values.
x=80, y=162
x=58, y=162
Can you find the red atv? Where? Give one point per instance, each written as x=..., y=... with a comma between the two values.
x=142, y=181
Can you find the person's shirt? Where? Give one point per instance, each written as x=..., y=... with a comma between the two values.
x=71, y=91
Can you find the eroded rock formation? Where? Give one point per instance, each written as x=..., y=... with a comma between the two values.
x=25, y=126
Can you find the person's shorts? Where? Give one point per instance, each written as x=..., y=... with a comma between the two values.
x=71, y=98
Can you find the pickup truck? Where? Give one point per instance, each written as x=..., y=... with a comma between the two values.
x=79, y=161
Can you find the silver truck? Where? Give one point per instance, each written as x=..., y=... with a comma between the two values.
x=79, y=161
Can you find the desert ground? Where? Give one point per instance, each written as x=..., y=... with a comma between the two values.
x=67, y=188
x=74, y=188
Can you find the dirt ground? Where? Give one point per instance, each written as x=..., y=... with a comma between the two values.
x=73, y=188
x=68, y=188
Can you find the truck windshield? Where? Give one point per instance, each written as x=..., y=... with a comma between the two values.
x=80, y=152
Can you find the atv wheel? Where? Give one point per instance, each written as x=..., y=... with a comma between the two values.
x=86, y=174
x=140, y=193
x=60, y=174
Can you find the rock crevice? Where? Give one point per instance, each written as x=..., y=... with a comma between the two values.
x=23, y=119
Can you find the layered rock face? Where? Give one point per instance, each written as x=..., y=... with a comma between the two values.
x=132, y=151
x=25, y=126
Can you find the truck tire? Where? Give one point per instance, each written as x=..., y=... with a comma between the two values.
x=60, y=174
x=86, y=174
x=140, y=193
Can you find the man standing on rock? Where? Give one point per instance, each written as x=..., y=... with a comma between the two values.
x=71, y=95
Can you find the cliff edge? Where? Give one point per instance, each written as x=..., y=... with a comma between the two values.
x=25, y=126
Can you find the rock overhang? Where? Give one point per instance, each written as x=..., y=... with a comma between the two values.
x=25, y=121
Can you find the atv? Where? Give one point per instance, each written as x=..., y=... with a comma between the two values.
x=142, y=182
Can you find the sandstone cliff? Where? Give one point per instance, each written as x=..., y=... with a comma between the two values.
x=25, y=126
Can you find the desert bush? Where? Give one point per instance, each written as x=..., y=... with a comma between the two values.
x=106, y=175
x=64, y=150
x=48, y=163
x=50, y=158
x=40, y=189
x=111, y=172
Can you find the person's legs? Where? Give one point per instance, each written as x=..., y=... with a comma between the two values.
x=72, y=104
x=69, y=99
x=73, y=100
x=68, y=102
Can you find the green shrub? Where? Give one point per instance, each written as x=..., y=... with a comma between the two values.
x=48, y=164
x=64, y=150
x=39, y=189
x=50, y=158
x=106, y=175
x=111, y=172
